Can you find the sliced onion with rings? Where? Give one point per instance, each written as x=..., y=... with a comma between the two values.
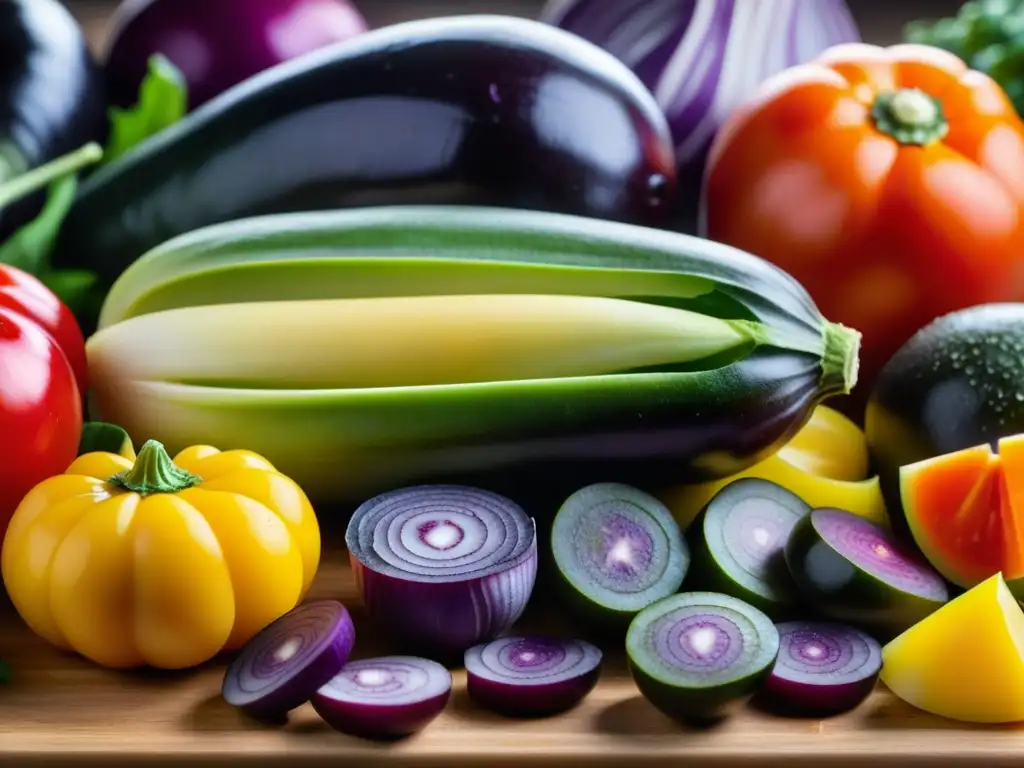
x=531, y=676
x=443, y=567
x=285, y=663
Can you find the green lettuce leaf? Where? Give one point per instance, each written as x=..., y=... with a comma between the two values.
x=163, y=101
x=163, y=98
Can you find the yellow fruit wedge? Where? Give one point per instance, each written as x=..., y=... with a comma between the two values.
x=826, y=465
x=965, y=661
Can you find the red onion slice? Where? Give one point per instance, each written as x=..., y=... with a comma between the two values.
x=387, y=697
x=531, y=676
x=285, y=663
x=822, y=669
x=443, y=567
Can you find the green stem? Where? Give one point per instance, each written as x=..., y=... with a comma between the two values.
x=910, y=116
x=155, y=472
x=26, y=183
x=841, y=361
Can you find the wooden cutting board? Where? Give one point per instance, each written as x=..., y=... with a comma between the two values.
x=61, y=710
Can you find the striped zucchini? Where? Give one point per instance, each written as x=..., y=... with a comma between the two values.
x=364, y=349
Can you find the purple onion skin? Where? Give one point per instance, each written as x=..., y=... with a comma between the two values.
x=531, y=700
x=437, y=600
x=442, y=620
x=391, y=722
x=800, y=699
x=275, y=704
x=219, y=43
x=703, y=85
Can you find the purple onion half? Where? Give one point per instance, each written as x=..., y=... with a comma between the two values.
x=531, y=676
x=217, y=44
x=822, y=669
x=443, y=567
x=388, y=697
x=702, y=58
x=286, y=662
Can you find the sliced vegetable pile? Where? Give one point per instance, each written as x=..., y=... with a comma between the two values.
x=424, y=277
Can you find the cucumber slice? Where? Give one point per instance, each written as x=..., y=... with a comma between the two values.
x=618, y=550
x=738, y=543
x=856, y=572
x=699, y=656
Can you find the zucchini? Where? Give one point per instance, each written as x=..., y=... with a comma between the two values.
x=482, y=110
x=751, y=359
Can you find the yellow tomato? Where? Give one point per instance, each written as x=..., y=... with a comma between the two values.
x=160, y=563
x=965, y=661
x=826, y=465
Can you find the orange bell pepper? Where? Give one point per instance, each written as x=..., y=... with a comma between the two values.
x=888, y=181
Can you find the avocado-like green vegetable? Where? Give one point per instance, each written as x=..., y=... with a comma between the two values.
x=957, y=383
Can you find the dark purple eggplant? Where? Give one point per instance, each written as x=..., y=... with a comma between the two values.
x=474, y=110
x=51, y=95
x=217, y=44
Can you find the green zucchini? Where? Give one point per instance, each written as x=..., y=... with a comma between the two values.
x=672, y=421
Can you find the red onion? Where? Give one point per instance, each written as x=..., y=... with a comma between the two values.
x=219, y=43
x=388, y=697
x=702, y=58
x=443, y=566
x=822, y=669
x=531, y=676
x=285, y=663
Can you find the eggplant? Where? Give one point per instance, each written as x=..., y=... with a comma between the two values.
x=471, y=110
x=51, y=95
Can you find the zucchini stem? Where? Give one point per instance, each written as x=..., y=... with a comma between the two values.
x=155, y=472
x=841, y=361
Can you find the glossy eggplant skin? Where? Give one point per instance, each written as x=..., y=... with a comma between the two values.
x=51, y=93
x=472, y=110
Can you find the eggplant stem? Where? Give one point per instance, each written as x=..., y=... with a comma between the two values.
x=840, y=362
x=155, y=472
x=25, y=184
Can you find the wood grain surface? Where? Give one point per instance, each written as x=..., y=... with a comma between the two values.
x=61, y=710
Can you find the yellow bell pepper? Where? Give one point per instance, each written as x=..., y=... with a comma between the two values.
x=159, y=562
x=825, y=464
x=965, y=661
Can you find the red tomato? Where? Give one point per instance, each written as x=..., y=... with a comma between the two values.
x=28, y=296
x=889, y=182
x=40, y=409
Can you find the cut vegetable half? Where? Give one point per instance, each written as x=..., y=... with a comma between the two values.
x=857, y=573
x=965, y=511
x=387, y=697
x=443, y=567
x=698, y=656
x=618, y=550
x=285, y=663
x=738, y=544
x=823, y=669
x=965, y=661
x=531, y=676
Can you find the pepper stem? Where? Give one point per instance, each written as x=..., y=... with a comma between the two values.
x=910, y=116
x=840, y=363
x=155, y=472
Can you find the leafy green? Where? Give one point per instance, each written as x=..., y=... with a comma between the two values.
x=30, y=246
x=163, y=101
x=988, y=35
x=163, y=98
